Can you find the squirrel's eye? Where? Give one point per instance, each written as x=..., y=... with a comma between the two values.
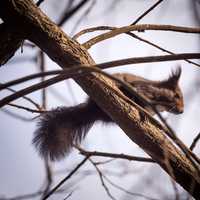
x=176, y=96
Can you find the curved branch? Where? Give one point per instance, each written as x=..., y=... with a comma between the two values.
x=80, y=69
x=140, y=28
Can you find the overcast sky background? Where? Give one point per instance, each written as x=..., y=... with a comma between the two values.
x=22, y=170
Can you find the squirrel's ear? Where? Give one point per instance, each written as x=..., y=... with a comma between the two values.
x=176, y=74
x=173, y=79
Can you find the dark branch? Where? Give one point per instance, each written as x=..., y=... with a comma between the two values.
x=9, y=42
x=196, y=139
x=146, y=12
x=84, y=68
x=65, y=179
x=114, y=155
x=39, y=2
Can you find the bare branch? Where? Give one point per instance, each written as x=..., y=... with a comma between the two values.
x=140, y=28
x=16, y=116
x=147, y=12
x=125, y=190
x=102, y=180
x=65, y=179
x=69, y=195
x=80, y=70
x=114, y=155
x=102, y=28
x=42, y=70
x=44, y=104
x=196, y=139
x=48, y=178
x=26, y=108
x=24, y=97
x=30, y=196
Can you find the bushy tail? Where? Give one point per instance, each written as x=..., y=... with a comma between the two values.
x=62, y=127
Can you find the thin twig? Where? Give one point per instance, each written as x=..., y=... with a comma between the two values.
x=146, y=12
x=105, y=161
x=126, y=191
x=114, y=155
x=24, y=97
x=103, y=176
x=26, y=108
x=29, y=196
x=102, y=180
x=42, y=70
x=49, y=178
x=89, y=30
x=69, y=195
x=48, y=171
x=16, y=116
x=66, y=178
x=160, y=48
x=196, y=139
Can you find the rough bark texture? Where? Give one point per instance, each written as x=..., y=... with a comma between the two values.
x=8, y=36
x=136, y=124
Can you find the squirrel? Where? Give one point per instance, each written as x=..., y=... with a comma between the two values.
x=60, y=128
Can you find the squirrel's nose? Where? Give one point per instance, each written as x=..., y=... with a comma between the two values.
x=179, y=111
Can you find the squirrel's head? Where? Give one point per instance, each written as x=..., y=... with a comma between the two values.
x=171, y=97
x=165, y=95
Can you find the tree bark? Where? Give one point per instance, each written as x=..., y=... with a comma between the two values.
x=31, y=23
x=9, y=42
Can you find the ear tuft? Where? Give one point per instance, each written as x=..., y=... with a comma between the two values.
x=173, y=79
x=176, y=74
